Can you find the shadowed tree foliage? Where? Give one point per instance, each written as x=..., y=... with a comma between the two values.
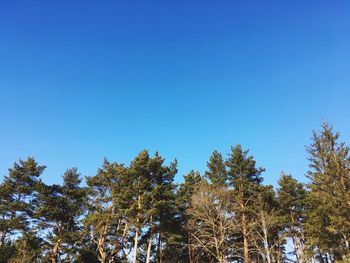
x=28, y=249
x=184, y=252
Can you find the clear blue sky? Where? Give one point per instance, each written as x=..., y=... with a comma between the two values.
x=83, y=80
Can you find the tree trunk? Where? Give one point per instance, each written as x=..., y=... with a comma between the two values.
x=245, y=239
x=298, y=247
x=126, y=228
x=160, y=251
x=150, y=241
x=266, y=240
x=55, y=250
x=346, y=242
x=137, y=229
x=2, y=242
x=100, y=245
x=190, y=250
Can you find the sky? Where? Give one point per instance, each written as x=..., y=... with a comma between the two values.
x=84, y=80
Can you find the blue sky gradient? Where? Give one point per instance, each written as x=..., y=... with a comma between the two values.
x=84, y=80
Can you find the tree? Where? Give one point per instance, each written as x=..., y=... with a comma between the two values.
x=213, y=222
x=106, y=221
x=27, y=249
x=184, y=252
x=161, y=204
x=141, y=187
x=245, y=178
x=329, y=174
x=216, y=173
x=16, y=198
x=267, y=237
x=292, y=201
x=58, y=210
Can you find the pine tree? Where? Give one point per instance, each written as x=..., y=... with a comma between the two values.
x=28, y=249
x=245, y=178
x=141, y=187
x=109, y=198
x=329, y=200
x=292, y=201
x=161, y=204
x=216, y=173
x=58, y=210
x=16, y=197
x=267, y=231
x=184, y=252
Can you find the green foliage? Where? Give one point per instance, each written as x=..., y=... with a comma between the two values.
x=245, y=178
x=292, y=204
x=216, y=173
x=109, y=197
x=138, y=209
x=328, y=217
x=242, y=169
x=58, y=211
x=16, y=198
x=28, y=249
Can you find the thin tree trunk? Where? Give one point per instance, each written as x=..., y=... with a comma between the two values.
x=136, y=240
x=346, y=242
x=190, y=249
x=266, y=240
x=2, y=241
x=100, y=245
x=160, y=251
x=55, y=250
x=245, y=239
x=126, y=228
x=298, y=247
x=297, y=242
x=137, y=230
x=150, y=241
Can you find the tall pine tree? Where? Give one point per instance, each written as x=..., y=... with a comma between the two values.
x=329, y=200
x=59, y=210
x=16, y=198
x=292, y=201
x=245, y=178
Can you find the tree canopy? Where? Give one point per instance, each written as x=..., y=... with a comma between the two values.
x=138, y=212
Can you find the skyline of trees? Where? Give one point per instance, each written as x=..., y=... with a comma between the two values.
x=138, y=213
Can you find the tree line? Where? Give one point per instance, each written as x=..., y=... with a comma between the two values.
x=137, y=213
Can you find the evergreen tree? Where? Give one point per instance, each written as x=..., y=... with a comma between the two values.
x=328, y=222
x=106, y=222
x=16, y=197
x=58, y=210
x=141, y=188
x=161, y=205
x=267, y=231
x=292, y=201
x=183, y=251
x=244, y=177
x=28, y=249
x=216, y=173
